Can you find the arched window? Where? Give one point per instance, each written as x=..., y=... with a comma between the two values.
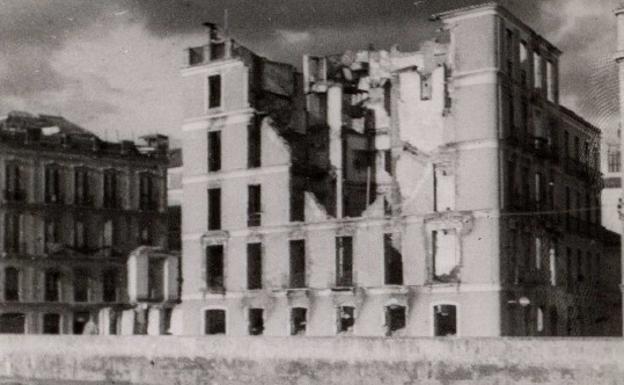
x=445, y=320
x=11, y=284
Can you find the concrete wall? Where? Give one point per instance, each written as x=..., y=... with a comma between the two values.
x=225, y=361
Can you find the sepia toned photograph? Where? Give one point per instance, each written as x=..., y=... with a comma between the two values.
x=336, y=192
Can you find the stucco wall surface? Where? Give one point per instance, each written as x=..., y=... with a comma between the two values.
x=248, y=360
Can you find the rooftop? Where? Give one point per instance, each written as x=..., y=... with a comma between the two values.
x=55, y=133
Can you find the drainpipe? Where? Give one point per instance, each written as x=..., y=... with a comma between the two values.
x=334, y=120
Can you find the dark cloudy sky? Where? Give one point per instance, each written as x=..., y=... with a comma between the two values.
x=113, y=65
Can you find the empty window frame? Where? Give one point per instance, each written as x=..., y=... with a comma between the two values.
x=217, y=50
x=297, y=201
x=511, y=181
x=393, y=260
x=81, y=285
x=388, y=161
x=444, y=256
x=195, y=55
x=82, y=187
x=551, y=84
x=538, y=252
x=51, y=323
x=174, y=227
x=539, y=320
x=107, y=234
x=52, y=235
x=214, y=209
x=80, y=320
x=346, y=319
x=344, y=261
x=52, y=291
x=80, y=235
x=254, y=266
x=614, y=160
x=297, y=264
x=396, y=319
x=298, y=321
x=214, y=151
x=510, y=51
x=256, y=322
x=156, y=279
x=11, y=284
x=12, y=233
x=524, y=115
x=552, y=261
x=538, y=77
x=580, y=266
x=111, y=192
x=254, y=143
x=445, y=320
x=110, y=282
x=214, y=91
x=13, y=183
x=214, y=322
x=254, y=205
x=12, y=323
x=553, y=321
x=539, y=189
x=523, y=53
x=148, y=188
x=214, y=267
x=52, y=184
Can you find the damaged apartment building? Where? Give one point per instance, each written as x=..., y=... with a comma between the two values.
x=73, y=208
x=379, y=193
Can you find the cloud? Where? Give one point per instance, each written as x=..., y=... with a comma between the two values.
x=113, y=65
x=586, y=35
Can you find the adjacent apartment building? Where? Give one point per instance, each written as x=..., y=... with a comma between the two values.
x=612, y=192
x=379, y=193
x=72, y=209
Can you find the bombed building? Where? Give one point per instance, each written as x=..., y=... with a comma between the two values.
x=72, y=209
x=379, y=192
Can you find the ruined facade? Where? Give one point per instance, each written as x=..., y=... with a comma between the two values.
x=430, y=193
x=73, y=207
